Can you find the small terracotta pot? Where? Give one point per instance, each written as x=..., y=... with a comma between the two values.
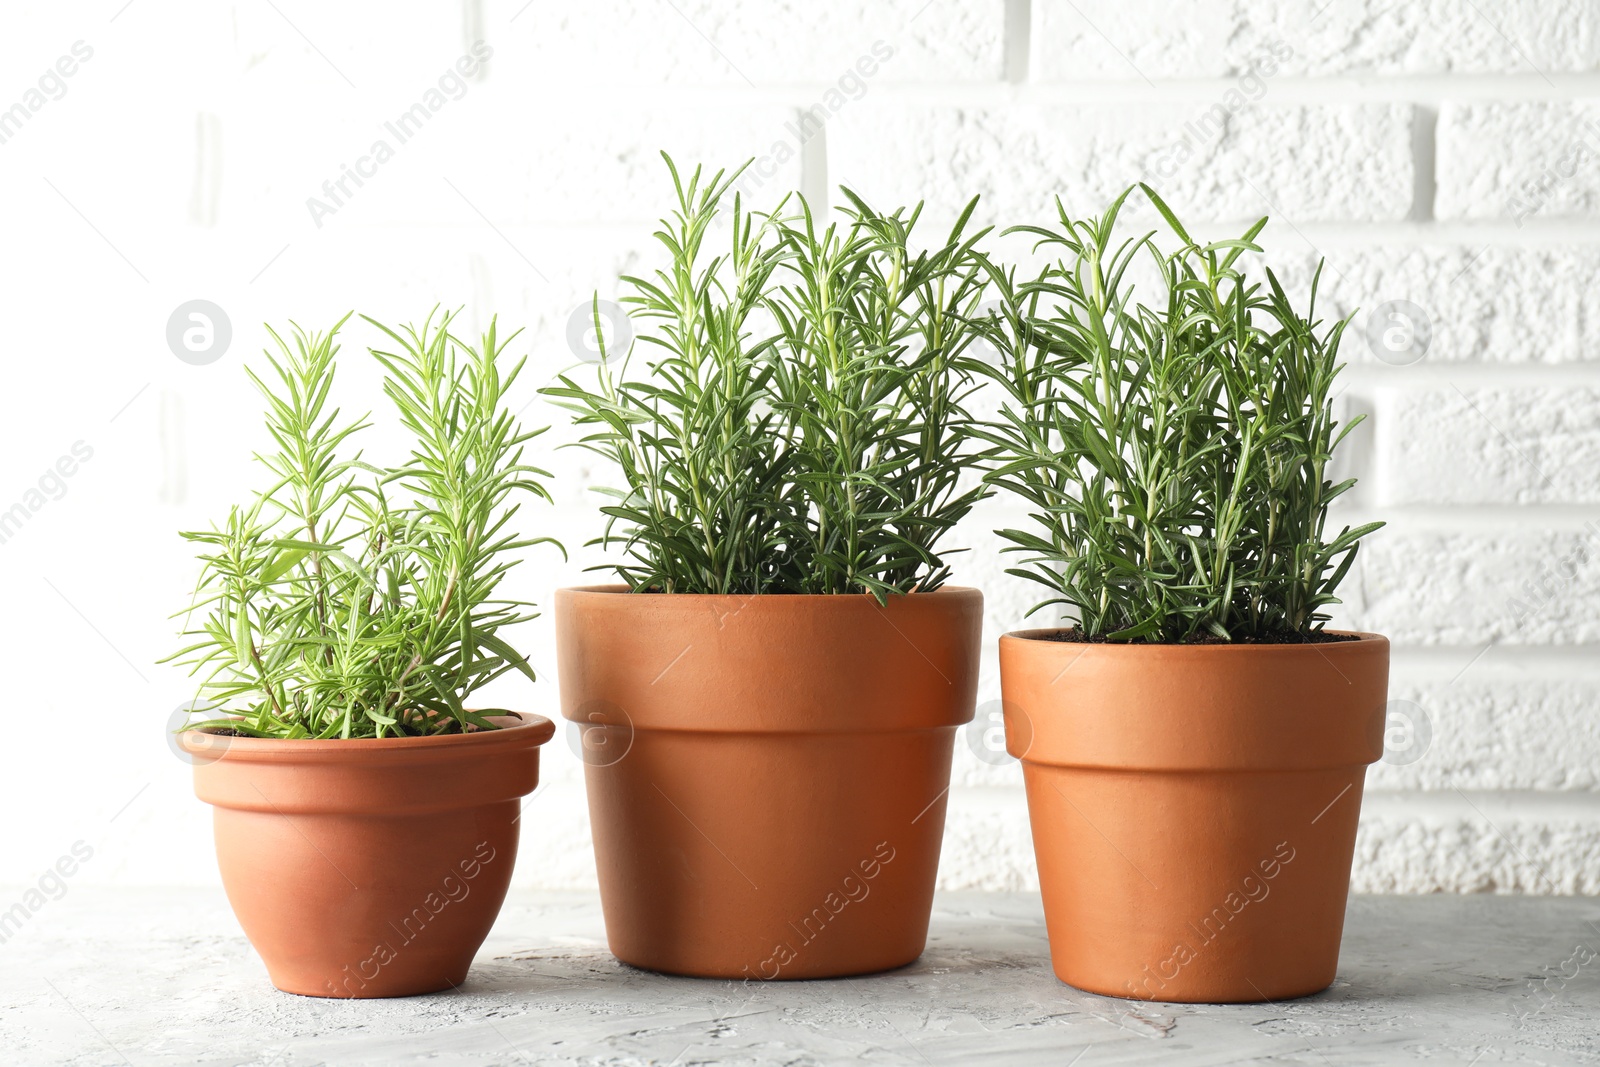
x=1194, y=807
x=368, y=868
x=767, y=774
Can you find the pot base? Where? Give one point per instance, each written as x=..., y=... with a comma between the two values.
x=789, y=975
x=764, y=856
x=1192, y=887
x=375, y=990
x=1252, y=997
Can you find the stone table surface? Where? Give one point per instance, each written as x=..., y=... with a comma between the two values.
x=148, y=977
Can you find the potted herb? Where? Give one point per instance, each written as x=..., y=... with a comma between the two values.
x=1194, y=746
x=769, y=699
x=366, y=815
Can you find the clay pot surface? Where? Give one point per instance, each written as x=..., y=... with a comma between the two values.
x=368, y=868
x=1194, y=807
x=767, y=774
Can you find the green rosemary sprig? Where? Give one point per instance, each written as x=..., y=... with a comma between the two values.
x=329, y=608
x=1175, y=457
x=801, y=426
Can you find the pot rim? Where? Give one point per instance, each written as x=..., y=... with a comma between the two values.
x=528, y=731
x=799, y=664
x=1363, y=639
x=620, y=588
x=1189, y=708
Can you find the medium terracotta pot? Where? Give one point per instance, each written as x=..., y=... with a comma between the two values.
x=368, y=868
x=767, y=774
x=1194, y=807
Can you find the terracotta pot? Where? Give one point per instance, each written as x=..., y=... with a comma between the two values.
x=767, y=774
x=1194, y=807
x=368, y=868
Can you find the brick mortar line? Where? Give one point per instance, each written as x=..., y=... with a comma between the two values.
x=1286, y=89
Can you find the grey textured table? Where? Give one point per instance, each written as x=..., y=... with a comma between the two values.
x=166, y=978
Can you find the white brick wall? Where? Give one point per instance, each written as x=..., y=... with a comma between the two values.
x=1319, y=164
x=1440, y=153
x=1092, y=39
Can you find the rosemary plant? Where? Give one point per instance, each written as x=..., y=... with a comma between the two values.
x=802, y=429
x=1175, y=457
x=349, y=600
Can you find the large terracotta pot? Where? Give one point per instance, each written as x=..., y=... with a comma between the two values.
x=1194, y=807
x=368, y=868
x=767, y=774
